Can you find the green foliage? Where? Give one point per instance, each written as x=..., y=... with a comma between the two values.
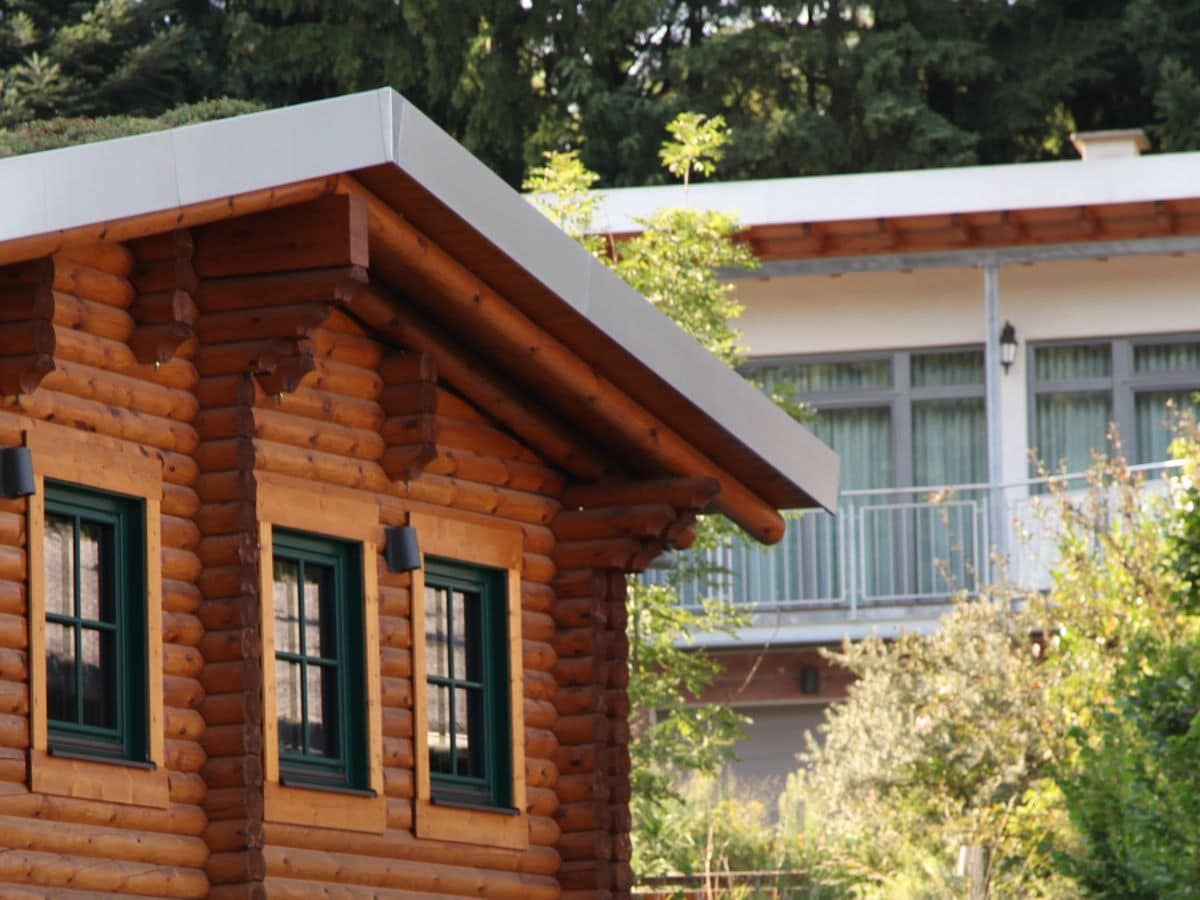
x=697, y=144
x=50, y=134
x=1059, y=731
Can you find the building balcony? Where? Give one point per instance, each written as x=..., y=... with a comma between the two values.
x=889, y=560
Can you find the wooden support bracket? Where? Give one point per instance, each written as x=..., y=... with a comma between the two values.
x=164, y=309
x=27, y=336
x=410, y=380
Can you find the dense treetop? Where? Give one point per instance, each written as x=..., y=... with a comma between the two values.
x=806, y=87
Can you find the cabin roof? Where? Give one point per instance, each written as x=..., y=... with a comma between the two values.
x=196, y=174
x=1073, y=201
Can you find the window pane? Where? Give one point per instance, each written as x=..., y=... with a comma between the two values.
x=439, y=730
x=805, y=378
x=320, y=620
x=437, y=638
x=60, y=673
x=95, y=547
x=863, y=440
x=463, y=637
x=99, y=678
x=472, y=663
x=1154, y=422
x=949, y=442
x=1159, y=358
x=323, y=739
x=287, y=605
x=468, y=732
x=288, y=702
x=59, y=565
x=1071, y=429
x=1074, y=362
x=958, y=367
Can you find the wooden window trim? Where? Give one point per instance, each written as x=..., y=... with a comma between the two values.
x=342, y=516
x=93, y=461
x=495, y=547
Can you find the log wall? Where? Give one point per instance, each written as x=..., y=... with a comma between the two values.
x=246, y=353
x=82, y=305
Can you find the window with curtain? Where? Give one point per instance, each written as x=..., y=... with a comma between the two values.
x=1138, y=384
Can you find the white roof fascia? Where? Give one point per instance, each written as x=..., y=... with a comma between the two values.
x=105, y=181
x=832, y=198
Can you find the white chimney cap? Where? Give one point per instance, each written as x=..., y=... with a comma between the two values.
x=1115, y=144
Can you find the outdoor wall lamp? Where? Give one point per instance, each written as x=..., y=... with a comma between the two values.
x=1008, y=346
x=16, y=472
x=810, y=680
x=402, y=552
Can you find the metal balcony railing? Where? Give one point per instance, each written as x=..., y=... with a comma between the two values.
x=896, y=547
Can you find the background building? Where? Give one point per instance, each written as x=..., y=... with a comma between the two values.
x=882, y=300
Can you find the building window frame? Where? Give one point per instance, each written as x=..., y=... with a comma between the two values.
x=485, y=650
x=348, y=770
x=99, y=465
x=121, y=576
x=1122, y=384
x=322, y=513
x=467, y=543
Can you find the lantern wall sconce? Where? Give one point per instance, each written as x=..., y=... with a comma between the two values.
x=1008, y=346
x=402, y=551
x=16, y=472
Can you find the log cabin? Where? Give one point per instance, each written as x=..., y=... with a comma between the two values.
x=325, y=457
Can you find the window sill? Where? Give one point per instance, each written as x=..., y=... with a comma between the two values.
x=67, y=774
x=66, y=753
x=321, y=806
x=475, y=807
x=293, y=781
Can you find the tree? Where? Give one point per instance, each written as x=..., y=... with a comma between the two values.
x=1057, y=732
x=673, y=263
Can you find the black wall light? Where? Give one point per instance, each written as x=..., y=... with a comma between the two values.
x=810, y=680
x=1008, y=346
x=402, y=552
x=16, y=472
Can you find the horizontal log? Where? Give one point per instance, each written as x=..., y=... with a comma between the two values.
x=231, y=484
x=229, y=709
x=395, y=663
x=28, y=338
x=14, y=698
x=397, y=753
x=315, y=465
x=12, y=598
x=537, y=626
x=236, y=867
x=232, y=740
x=503, y=502
x=328, y=437
x=282, y=288
x=538, y=568
x=540, y=773
x=572, y=642
x=114, y=356
x=592, y=846
x=395, y=692
x=622, y=554
x=180, y=596
x=13, y=633
x=393, y=601
x=107, y=256
x=184, y=756
x=178, y=819
x=94, y=842
x=581, y=729
x=329, y=231
x=356, y=868
x=579, y=612
x=581, y=583
x=12, y=563
x=537, y=655
x=335, y=345
x=538, y=686
x=540, y=714
x=93, y=317
x=233, y=771
x=534, y=478
x=257, y=356
x=398, y=783
x=323, y=406
x=182, y=724
x=592, y=523
x=73, y=277
x=180, y=533
x=224, y=646
x=256, y=324
x=540, y=743
x=412, y=398
x=183, y=661
x=112, y=421
x=185, y=693
x=165, y=274
x=233, y=834
x=679, y=493
x=402, y=368
x=181, y=565
x=397, y=723
x=544, y=831
x=595, y=816
x=407, y=462
x=537, y=597
x=14, y=665
x=237, y=549
x=187, y=788
x=351, y=381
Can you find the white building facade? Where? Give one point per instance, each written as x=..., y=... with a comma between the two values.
x=881, y=300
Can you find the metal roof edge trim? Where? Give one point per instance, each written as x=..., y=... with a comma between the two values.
x=872, y=195
x=143, y=174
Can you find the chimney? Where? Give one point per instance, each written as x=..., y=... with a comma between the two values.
x=1116, y=144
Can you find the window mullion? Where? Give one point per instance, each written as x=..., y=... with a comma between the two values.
x=77, y=607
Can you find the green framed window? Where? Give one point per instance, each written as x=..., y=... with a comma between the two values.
x=466, y=671
x=95, y=586
x=319, y=661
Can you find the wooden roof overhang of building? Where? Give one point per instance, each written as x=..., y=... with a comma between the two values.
x=948, y=216
x=602, y=383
